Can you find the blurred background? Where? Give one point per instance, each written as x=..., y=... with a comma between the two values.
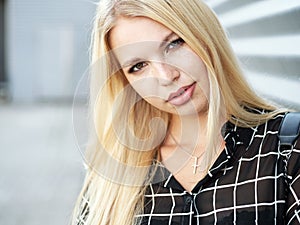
x=43, y=54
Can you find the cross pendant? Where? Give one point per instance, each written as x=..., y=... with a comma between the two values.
x=195, y=165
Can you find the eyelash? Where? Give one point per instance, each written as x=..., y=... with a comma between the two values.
x=173, y=44
x=134, y=68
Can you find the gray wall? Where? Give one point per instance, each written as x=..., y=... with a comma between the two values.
x=266, y=36
x=2, y=50
x=47, y=47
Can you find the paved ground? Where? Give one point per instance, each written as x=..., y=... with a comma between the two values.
x=40, y=166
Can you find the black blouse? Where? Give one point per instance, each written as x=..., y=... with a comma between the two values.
x=248, y=184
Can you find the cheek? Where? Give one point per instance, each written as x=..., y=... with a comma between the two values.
x=146, y=87
x=196, y=69
x=157, y=102
x=160, y=104
x=190, y=64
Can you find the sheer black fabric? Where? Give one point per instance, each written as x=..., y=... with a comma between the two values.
x=245, y=186
x=249, y=183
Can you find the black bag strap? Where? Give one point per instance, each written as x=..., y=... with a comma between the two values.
x=289, y=130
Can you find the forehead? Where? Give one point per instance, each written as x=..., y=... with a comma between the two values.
x=129, y=30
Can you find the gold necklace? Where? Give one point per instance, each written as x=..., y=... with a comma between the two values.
x=196, y=158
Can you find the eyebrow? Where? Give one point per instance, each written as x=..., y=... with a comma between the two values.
x=135, y=60
x=131, y=62
x=166, y=39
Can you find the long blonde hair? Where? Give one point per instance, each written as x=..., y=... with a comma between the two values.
x=112, y=193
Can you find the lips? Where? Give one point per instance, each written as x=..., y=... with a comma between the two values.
x=182, y=95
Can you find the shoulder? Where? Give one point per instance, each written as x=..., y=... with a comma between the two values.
x=265, y=132
x=274, y=121
x=268, y=126
x=285, y=126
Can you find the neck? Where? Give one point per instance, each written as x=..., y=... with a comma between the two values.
x=189, y=131
x=184, y=153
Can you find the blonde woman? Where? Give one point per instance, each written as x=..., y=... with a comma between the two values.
x=179, y=137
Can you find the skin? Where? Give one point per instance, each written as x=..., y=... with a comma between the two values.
x=157, y=63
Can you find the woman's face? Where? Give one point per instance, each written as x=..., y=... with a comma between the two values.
x=160, y=66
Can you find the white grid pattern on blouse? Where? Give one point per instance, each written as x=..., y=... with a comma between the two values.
x=253, y=158
x=260, y=179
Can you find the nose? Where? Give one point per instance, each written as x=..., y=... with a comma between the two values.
x=165, y=73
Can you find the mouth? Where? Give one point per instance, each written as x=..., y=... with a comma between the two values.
x=182, y=95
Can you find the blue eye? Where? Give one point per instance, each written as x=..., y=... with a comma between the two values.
x=174, y=44
x=137, y=67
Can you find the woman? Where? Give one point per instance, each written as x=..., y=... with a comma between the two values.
x=180, y=138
